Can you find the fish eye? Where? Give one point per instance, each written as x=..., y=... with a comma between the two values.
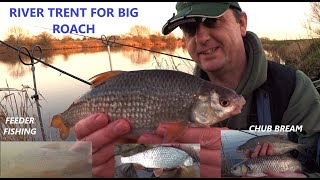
x=224, y=103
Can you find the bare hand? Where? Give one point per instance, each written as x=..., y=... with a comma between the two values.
x=103, y=135
x=210, y=143
x=264, y=150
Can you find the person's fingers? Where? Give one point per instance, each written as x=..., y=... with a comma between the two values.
x=207, y=137
x=149, y=139
x=263, y=150
x=270, y=173
x=256, y=151
x=207, y=171
x=103, y=155
x=90, y=124
x=108, y=134
x=105, y=170
x=210, y=157
x=270, y=150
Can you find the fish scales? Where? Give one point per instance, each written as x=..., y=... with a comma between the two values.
x=160, y=157
x=141, y=100
x=148, y=97
x=255, y=166
x=279, y=146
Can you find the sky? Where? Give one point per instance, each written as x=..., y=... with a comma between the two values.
x=275, y=20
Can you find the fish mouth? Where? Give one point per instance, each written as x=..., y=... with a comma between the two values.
x=240, y=102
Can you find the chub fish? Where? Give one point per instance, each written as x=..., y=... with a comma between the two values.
x=254, y=167
x=147, y=98
x=279, y=145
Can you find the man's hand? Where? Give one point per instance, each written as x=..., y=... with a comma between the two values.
x=264, y=150
x=210, y=143
x=103, y=135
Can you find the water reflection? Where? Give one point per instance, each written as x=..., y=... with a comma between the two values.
x=137, y=56
x=60, y=90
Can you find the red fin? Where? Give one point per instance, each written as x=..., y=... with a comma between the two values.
x=174, y=130
x=100, y=78
x=158, y=171
x=58, y=123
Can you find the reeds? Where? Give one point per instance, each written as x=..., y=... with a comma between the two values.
x=17, y=103
x=174, y=64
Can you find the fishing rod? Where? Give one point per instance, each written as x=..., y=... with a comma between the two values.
x=39, y=60
x=108, y=42
x=35, y=96
x=247, y=132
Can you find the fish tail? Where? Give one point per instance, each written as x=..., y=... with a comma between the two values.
x=58, y=123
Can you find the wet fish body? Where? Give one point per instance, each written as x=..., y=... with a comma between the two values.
x=254, y=167
x=147, y=98
x=279, y=145
x=159, y=157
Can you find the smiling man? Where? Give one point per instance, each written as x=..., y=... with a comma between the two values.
x=227, y=54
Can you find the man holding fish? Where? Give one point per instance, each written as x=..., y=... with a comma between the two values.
x=228, y=55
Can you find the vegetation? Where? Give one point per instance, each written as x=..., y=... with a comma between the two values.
x=299, y=54
x=138, y=36
x=17, y=103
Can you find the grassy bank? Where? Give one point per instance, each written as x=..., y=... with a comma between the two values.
x=299, y=54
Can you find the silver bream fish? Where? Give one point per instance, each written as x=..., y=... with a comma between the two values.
x=159, y=157
x=279, y=145
x=147, y=98
x=254, y=167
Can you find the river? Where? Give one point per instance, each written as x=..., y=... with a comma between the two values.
x=57, y=90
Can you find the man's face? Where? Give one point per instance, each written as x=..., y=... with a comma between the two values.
x=215, y=47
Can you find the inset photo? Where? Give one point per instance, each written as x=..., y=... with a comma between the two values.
x=42, y=159
x=157, y=160
x=255, y=153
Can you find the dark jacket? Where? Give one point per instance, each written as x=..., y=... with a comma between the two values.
x=300, y=106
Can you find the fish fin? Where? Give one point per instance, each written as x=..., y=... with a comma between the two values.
x=174, y=130
x=138, y=166
x=58, y=123
x=189, y=172
x=158, y=171
x=100, y=78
